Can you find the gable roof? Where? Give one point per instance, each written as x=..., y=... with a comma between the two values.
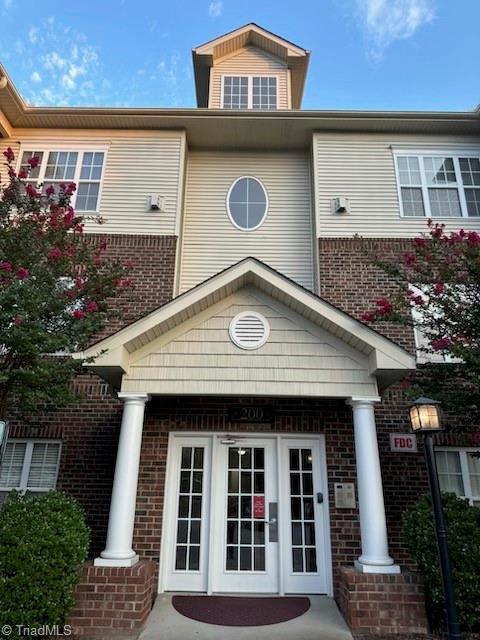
x=251, y=34
x=387, y=360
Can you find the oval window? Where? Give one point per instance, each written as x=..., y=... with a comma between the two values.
x=247, y=203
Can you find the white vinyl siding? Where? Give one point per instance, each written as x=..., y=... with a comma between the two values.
x=29, y=465
x=249, y=62
x=297, y=359
x=211, y=242
x=459, y=472
x=361, y=167
x=137, y=164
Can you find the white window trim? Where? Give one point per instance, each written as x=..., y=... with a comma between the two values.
x=267, y=205
x=462, y=451
x=455, y=153
x=30, y=442
x=81, y=149
x=249, y=89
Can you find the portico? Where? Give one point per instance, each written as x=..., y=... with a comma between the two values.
x=313, y=351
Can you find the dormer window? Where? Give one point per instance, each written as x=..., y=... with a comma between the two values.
x=250, y=92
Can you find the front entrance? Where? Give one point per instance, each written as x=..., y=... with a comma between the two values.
x=246, y=513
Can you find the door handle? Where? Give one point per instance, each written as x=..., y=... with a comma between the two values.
x=271, y=521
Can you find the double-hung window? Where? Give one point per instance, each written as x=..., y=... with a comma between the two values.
x=84, y=168
x=29, y=465
x=459, y=472
x=250, y=92
x=439, y=185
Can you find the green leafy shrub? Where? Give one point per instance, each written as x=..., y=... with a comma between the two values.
x=463, y=535
x=43, y=542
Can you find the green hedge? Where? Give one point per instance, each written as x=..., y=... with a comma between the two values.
x=463, y=535
x=43, y=543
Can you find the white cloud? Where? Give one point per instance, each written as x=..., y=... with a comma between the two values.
x=33, y=35
x=385, y=21
x=62, y=67
x=215, y=8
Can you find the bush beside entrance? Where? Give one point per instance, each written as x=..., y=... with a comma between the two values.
x=463, y=535
x=43, y=543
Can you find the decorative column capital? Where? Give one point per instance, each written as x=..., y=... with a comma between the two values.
x=357, y=402
x=130, y=397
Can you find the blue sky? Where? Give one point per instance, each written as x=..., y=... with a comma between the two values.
x=366, y=54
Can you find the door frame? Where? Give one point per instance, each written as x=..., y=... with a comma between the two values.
x=170, y=492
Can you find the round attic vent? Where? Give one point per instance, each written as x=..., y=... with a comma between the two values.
x=249, y=330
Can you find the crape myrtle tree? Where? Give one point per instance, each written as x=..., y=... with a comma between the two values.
x=55, y=289
x=438, y=293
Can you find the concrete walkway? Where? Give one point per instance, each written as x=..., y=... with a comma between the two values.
x=322, y=621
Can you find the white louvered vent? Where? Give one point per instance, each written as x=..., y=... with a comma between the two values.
x=249, y=330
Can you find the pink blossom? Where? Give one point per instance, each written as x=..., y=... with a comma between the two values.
x=79, y=283
x=384, y=306
x=92, y=306
x=473, y=238
x=31, y=191
x=6, y=266
x=54, y=254
x=439, y=288
x=22, y=273
x=50, y=190
x=22, y=174
x=78, y=314
x=18, y=320
x=368, y=316
x=441, y=343
x=420, y=242
x=34, y=161
x=11, y=173
x=9, y=155
x=409, y=258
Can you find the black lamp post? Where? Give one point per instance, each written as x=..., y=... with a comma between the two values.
x=425, y=419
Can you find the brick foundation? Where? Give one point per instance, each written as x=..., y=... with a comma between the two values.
x=113, y=601
x=375, y=604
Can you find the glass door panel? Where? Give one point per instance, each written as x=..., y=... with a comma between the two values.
x=246, y=485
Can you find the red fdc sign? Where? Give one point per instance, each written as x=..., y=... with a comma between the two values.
x=259, y=506
x=403, y=442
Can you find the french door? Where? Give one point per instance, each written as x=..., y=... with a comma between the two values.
x=245, y=514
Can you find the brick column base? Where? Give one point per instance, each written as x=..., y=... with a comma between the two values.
x=113, y=601
x=375, y=604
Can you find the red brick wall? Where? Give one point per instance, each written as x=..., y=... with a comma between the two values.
x=350, y=281
x=382, y=604
x=113, y=601
x=152, y=273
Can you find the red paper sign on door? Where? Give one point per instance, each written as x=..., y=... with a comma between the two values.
x=259, y=506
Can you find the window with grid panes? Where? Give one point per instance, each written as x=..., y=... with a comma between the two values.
x=85, y=168
x=439, y=186
x=264, y=92
x=29, y=465
x=249, y=92
x=459, y=473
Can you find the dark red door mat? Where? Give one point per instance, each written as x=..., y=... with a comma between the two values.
x=239, y=611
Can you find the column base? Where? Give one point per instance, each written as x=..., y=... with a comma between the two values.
x=116, y=562
x=376, y=568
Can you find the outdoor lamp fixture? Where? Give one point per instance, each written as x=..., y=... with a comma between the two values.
x=425, y=419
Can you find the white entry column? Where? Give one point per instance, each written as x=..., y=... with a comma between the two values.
x=118, y=551
x=375, y=557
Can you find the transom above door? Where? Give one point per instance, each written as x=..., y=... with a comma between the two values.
x=245, y=513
